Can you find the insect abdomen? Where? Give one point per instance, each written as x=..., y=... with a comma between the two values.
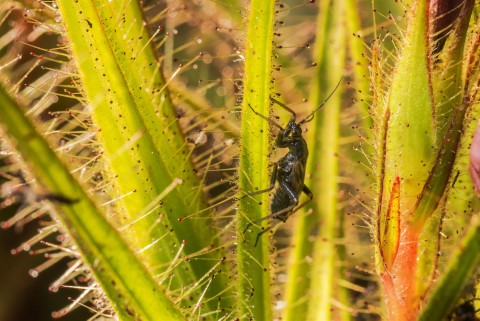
x=281, y=200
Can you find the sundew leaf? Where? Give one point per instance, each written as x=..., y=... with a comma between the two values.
x=142, y=141
x=422, y=127
x=253, y=261
x=133, y=292
x=410, y=134
x=406, y=147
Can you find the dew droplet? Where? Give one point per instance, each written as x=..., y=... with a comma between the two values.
x=33, y=273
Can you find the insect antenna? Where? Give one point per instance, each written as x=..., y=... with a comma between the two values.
x=294, y=116
x=266, y=118
x=310, y=116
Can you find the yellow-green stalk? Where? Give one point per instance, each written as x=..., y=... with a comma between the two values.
x=253, y=262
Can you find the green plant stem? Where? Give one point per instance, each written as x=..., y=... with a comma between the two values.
x=253, y=262
x=315, y=283
x=330, y=56
x=133, y=292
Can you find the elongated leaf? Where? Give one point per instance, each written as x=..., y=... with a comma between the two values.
x=407, y=154
x=324, y=142
x=132, y=290
x=253, y=262
x=424, y=115
x=141, y=138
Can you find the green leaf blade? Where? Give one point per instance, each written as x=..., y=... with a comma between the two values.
x=142, y=142
x=253, y=262
x=133, y=292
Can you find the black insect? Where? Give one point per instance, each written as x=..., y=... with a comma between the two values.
x=289, y=171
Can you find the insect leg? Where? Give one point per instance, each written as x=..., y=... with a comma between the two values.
x=274, y=215
x=279, y=214
x=272, y=185
x=260, y=234
x=309, y=193
x=292, y=208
